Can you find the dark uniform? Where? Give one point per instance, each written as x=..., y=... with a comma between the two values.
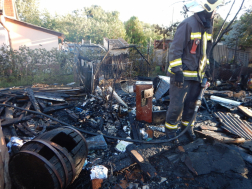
x=193, y=66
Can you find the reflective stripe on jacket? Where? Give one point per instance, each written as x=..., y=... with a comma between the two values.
x=180, y=57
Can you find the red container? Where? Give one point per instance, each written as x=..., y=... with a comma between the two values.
x=143, y=105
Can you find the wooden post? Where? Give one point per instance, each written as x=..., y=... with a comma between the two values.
x=148, y=58
x=76, y=62
x=5, y=182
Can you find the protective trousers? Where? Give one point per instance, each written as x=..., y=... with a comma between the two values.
x=182, y=102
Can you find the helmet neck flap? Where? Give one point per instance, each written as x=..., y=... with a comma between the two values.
x=205, y=17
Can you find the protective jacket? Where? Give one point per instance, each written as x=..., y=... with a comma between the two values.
x=190, y=31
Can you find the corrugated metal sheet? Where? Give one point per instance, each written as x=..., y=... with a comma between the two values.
x=235, y=125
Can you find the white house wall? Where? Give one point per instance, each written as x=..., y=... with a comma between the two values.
x=21, y=35
x=4, y=40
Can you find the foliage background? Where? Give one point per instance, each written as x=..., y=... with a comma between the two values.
x=27, y=67
x=93, y=24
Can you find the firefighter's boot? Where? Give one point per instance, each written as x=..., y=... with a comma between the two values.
x=171, y=133
x=191, y=133
x=190, y=130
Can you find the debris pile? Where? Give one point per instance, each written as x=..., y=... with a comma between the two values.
x=124, y=134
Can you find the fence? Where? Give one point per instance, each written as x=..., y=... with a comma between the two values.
x=222, y=54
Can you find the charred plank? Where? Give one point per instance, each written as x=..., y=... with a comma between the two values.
x=54, y=108
x=33, y=99
x=145, y=165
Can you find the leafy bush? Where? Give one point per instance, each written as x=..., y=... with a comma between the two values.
x=28, y=66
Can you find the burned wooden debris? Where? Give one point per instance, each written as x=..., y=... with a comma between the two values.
x=119, y=132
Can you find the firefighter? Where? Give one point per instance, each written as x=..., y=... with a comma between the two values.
x=189, y=64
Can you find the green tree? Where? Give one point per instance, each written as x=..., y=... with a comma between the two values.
x=134, y=31
x=103, y=24
x=246, y=20
x=149, y=32
x=241, y=31
x=92, y=23
x=28, y=11
x=234, y=35
x=218, y=21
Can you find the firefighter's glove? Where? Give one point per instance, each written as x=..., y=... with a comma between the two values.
x=208, y=75
x=179, y=79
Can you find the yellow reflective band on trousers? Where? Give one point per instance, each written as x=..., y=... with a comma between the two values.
x=177, y=62
x=170, y=126
x=185, y=123
x=196, y=35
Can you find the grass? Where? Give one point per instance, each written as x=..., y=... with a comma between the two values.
x=157, y=71
x=35, y=79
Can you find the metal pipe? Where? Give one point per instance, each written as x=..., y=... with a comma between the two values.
x=225, y=101
x=117, y=97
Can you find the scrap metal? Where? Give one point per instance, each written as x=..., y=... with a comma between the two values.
x=235, y=125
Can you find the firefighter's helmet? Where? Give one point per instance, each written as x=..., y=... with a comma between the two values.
x=211, y=5
x=200, y=5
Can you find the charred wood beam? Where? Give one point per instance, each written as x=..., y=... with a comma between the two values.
x=134, y=128
x=2, y=108
x=42, y=104
x=8, y=113
x=221, y=137
x=42, y=129
x=26, y=126
x=145, y=165
x=8, y=116
x=33, y=99
x=51, y=96
x=245, y=110
x=23, y=130
x=9, y=122
x=55, y=108
x=27, y=107
x=72, y=115
x=60, y=104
